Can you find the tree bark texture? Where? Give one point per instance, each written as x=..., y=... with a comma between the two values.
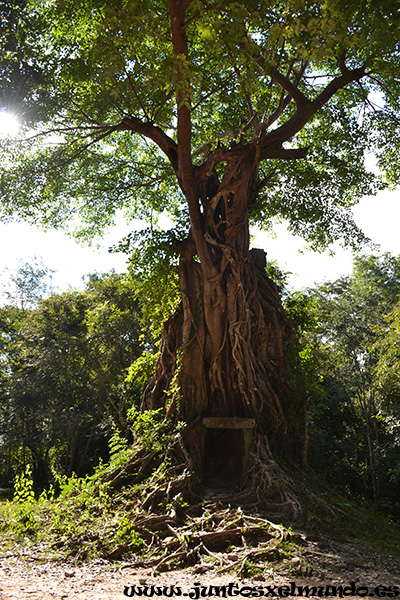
x=223, y=352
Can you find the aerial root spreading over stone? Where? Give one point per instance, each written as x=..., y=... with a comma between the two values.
x=183, y=523
x=181, y=477
x=222, y=116
x=230, y=362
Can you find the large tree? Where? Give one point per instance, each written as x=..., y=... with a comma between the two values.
x=224, y=114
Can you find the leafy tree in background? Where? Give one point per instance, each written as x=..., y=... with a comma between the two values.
x=386, y=383
x=387, y=371
x=65, y=364
x=223, y=114
x=29, y=284
x=354, y=433
x=11, y=318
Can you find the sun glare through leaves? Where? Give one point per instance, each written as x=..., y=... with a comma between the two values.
x=8, y=125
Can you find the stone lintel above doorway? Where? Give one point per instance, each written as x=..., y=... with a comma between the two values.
x=228, y=423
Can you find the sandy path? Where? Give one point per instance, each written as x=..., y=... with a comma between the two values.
x=100, y=580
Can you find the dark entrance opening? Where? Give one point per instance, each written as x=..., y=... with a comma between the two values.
x=227, y=442
x=223, y=457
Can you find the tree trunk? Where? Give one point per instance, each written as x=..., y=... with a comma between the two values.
x=226, y=348
x=223, y=353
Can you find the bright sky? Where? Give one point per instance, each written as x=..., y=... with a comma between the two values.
x=8, y=124
x=377, y=216
x=71, y=261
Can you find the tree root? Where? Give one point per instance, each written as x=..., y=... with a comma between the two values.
x=136, y=469
x=180, y=525
x=227, y=538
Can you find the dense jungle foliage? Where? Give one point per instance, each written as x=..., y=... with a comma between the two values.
x=66, y=374
x=74, y=365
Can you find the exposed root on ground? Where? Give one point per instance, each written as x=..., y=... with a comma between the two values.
x=181, y=523
x=269, y=483
x=173, y=476
x=212, y=534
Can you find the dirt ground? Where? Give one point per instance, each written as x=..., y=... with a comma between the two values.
x=29, y=578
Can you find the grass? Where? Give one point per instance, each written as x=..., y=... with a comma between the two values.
x=88, y=519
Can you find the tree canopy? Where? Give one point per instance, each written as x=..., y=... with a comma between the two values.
x=127, y=105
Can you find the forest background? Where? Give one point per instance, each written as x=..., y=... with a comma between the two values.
x=74, y=366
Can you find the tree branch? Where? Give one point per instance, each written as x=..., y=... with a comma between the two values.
x=136, y=94
x=222, y=154
x=82, y=149
x=245, y=92
x=386, y=89
x=286, y=153
x=285, y=100
x=337, y=84
x=78, y=128
x=284, y=82
x=185, y=171
x=342, y=63
x=154, y=133
x=307, y=109
x=177, y=9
